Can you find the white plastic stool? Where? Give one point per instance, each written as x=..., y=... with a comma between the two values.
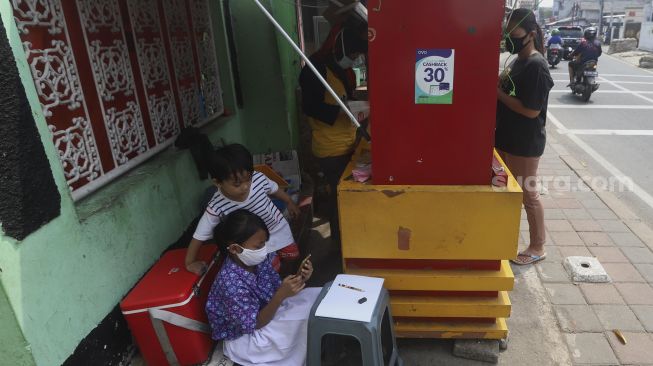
x=377, y=338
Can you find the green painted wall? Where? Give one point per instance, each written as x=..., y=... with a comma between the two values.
x=62, y=280
x=290, y=62
x=269, y=122
x=13, y=346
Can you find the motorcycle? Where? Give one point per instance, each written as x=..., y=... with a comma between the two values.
x=567, y=53
x=553, y=56
x=586, y=83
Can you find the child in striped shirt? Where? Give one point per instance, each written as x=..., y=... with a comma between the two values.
x=240, y=187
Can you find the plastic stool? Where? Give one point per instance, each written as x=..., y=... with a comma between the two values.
x=373, y=336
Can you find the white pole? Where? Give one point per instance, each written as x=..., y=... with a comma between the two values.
x=342, y=105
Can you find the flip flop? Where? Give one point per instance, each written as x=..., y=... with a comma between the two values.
x=531, y=259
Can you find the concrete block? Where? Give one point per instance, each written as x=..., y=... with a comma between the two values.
x=568, y=203
x=645, y=315
x=593, y=202
x=602, y=214
x=596, y=239
x=564, y=238
x=626, y=239
x=636, y=293
x=564, y=294
x=623, y=272
x=645, y=270
x=622, y=45
x=585, y=225
x=609, y=255
x=646, y=62
x=613, y=226
x=576, y=251
x=586, y=269
x=645, y=65
x=477, y=349
x=638, y=255
x=577, y=319
x=558, y=225
x=637, y=351
x=617, y=317
x=601, y=294
x=552, y=272
x=590, y=348
x=503, y=344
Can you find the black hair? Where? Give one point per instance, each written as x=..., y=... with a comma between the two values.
x=238, y=227
x=355, y=42
x=525, y=19
x=229, y=161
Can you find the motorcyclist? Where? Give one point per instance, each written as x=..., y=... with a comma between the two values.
x=554, y=42
x=588, y=50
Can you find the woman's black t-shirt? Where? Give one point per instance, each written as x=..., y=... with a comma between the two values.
x=517, y=134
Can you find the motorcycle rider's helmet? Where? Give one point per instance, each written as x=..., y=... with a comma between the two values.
x=590, y=33
x=555, y=32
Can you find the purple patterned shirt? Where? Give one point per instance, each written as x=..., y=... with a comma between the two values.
x=237, y=296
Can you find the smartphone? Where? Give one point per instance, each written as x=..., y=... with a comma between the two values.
x=299, y=270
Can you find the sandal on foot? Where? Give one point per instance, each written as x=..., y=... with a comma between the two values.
x=531, y=259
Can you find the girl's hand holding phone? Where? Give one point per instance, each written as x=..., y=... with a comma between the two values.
x=291, y=286
x=306, y=270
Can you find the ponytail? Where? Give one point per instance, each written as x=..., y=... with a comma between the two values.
x=539, y=40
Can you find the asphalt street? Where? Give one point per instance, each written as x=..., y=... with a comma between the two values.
x=612, y=134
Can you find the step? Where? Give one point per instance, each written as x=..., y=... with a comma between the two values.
x=440, y=330
x=442, y=280
x=451, y=307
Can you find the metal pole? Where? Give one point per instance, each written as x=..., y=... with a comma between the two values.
x=601, y=19
x=342, y=105
x=611, y=20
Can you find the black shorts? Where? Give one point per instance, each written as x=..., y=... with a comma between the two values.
x=575, y=64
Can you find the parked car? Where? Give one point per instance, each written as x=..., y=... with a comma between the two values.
x=571, y=38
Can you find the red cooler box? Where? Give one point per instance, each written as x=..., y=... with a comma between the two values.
x=165, y=311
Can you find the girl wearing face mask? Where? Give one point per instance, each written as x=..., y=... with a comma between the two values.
x=333, y=135
x=520, y=138
x=262, y=319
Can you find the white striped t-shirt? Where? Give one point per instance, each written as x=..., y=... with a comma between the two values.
x=257, y=202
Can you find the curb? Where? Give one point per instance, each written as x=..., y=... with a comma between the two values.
x=625, y=214
x=628, y=63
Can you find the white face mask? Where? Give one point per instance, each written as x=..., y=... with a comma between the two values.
x=345, y=62
x=251, y=257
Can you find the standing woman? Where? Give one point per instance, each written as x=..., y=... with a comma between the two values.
x=523, y=95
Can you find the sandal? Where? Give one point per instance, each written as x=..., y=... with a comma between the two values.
x=531, y=259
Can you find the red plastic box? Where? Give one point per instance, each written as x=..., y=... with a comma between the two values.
x=165, y=311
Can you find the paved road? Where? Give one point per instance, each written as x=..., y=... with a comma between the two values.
x=613, y=132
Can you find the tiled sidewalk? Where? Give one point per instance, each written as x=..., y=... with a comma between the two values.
x=580, y=223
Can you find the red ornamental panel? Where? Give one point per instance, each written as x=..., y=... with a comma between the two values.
x=117, y=79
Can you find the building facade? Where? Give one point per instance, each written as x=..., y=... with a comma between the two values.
x=93, y=189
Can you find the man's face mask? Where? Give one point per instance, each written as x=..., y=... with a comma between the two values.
x=345, y=62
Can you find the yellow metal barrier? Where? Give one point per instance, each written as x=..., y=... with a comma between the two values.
x=457, y=225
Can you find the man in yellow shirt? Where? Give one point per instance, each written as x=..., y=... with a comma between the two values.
x=333, y=134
